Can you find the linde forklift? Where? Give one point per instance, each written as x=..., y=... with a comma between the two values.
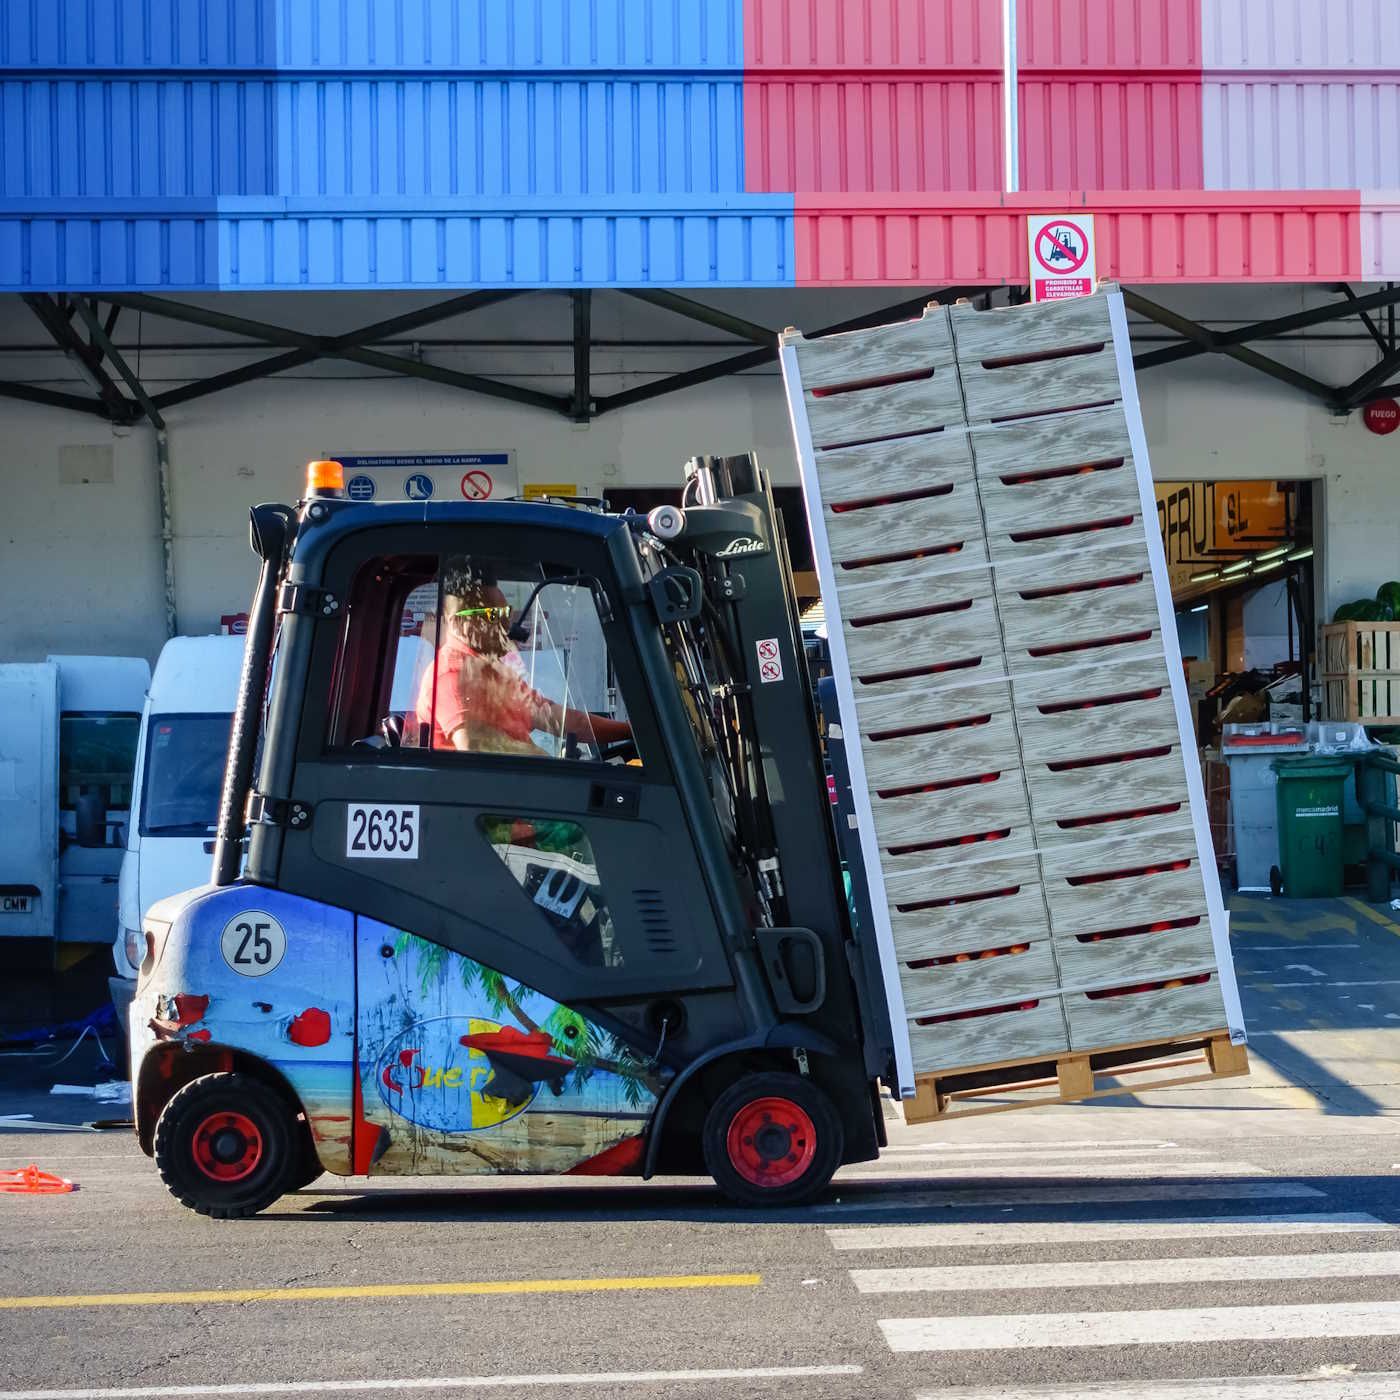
x=578, y=910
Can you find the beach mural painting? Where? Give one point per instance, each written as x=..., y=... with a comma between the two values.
x=461, y=1069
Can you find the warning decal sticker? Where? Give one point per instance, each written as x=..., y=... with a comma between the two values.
x=770, y=661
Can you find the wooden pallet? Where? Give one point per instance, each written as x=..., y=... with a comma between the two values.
x=1361, y=672
x=1071, y=1078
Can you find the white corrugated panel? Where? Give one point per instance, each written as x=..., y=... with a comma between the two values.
x=1300, y=34
x=1280, y=133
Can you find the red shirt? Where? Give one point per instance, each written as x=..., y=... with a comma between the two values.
x=484, y=692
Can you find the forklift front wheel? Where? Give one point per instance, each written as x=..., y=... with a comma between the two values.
x=224, y=1145
x=772, y=1140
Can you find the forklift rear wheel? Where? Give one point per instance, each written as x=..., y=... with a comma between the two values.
x=772, y=1140
x=224, y=1145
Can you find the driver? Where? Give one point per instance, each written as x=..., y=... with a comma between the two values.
x=477, y=698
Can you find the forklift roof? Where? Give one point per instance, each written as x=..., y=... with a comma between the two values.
x=349, y=516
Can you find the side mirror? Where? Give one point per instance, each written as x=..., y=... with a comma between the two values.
x=90, y=820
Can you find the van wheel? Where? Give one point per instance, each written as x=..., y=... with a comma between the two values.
x=224, y=1145
x=772, y=1140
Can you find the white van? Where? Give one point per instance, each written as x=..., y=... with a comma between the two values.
x=68, y=733
x=179, y=778
x=175, y=796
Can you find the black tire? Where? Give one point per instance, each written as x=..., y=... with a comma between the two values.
x=1275, y=882
x=225, y=1145
x=308, y=1164
x=772, y=1139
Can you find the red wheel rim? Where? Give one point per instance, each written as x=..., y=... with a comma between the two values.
x=771, y=1142
x=227, y=1146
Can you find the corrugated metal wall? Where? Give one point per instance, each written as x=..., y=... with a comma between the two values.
x=246, y=143
x=851, y=95
x=1302, y=94
x=386, y=142
x=1110, y=94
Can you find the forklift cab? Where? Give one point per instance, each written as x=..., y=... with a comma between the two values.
x=576, y=908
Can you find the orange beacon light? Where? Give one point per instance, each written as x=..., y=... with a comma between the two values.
x=325, y=479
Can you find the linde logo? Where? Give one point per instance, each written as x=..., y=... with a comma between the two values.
x=745, y=544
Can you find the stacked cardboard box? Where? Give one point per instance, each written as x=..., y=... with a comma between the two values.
x=975, y=486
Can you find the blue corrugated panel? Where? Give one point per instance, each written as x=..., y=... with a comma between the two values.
x=140, y=33
x=175, y=138
x=373, y=34
x=265, y=244
x=510, y=34
x=381, y=142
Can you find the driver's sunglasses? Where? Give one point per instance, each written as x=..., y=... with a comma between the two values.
x=498, y=614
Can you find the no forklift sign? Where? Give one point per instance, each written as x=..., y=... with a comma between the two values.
x=1061, y=256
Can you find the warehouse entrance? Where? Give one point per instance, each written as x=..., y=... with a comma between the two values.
x=1240, y=558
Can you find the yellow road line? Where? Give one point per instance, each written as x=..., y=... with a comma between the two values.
x=1368, y=912
x=384, y=1290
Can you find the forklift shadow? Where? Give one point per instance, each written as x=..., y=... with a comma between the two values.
x=868, y=1202
x=567, y=1200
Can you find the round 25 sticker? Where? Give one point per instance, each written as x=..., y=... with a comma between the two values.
x=253, y=943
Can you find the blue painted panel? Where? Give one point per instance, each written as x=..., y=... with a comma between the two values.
x=509, y=34
x=178, y=138
x=416, y=143
x=139, y=33
x=260, y=244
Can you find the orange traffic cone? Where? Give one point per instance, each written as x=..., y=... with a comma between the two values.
x=30, y=1181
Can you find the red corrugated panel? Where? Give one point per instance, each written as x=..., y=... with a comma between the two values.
x=1110, y=33
x=1111, y=94
x=1278, y=236
x=872, y=95
x=1113, y=133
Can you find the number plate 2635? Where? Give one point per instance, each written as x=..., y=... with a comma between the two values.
x=381, y=833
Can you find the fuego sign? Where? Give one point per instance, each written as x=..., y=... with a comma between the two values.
x=1383, y=416
x=1061, y=256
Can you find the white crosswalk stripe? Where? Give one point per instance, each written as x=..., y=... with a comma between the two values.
x=1129, y=1273
x=975, y=1177
x=976, y=1196
x=1092, y=1231
x=979, y=1149
x=1149, y=1327
x=997, y=1154
x=1381, y=1385
x=1042, y=1167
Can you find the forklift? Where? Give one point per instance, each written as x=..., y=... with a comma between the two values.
x=578, y=908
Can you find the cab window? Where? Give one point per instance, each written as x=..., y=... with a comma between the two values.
x=468, y=654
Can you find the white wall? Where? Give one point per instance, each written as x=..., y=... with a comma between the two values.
x=79, y=563
x=80, y=568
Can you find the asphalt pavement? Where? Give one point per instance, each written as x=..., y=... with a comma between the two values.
x=1237, y=1240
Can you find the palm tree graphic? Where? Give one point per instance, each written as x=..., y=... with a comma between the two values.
x=592, y=1049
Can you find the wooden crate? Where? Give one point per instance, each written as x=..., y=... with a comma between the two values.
x=1361, y=671
x=1070, y=1077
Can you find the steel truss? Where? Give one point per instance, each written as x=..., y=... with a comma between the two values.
x=83, y=330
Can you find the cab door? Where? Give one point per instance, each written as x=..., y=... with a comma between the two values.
x=463, y=1070
x=506, y=815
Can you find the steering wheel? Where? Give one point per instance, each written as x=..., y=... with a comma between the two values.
x=390, y=735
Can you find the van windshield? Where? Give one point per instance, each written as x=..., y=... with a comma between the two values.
x=184, y=774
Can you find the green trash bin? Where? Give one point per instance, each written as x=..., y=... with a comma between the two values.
x=1310, y=794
